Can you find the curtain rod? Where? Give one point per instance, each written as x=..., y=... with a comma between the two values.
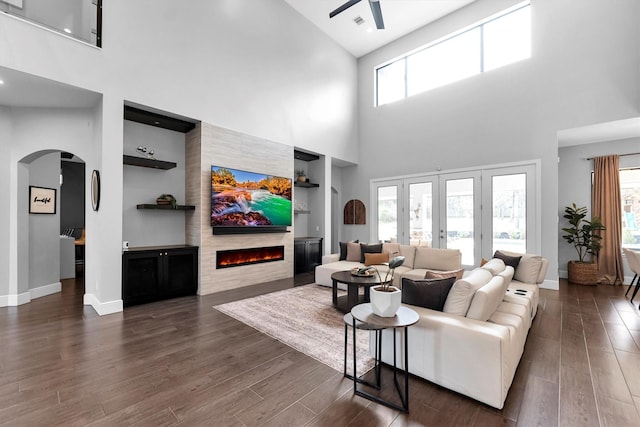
x=620, y=155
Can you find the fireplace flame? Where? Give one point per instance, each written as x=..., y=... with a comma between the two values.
x=238, y=257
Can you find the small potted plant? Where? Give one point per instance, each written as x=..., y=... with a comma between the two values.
x=386, y=298
x=166, y=199
x=301, y=175
x=584, y=235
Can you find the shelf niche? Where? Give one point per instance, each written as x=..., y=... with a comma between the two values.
x=305, y=184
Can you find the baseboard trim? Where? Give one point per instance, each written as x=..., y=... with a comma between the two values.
x=550, y=284
x=14, y=300
x=43, y=291
x=103, y=308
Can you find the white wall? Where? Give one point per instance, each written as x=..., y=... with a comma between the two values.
x=583, y=70
x=5, y=194
x=574, y=184
x=254, y=67
x=144, y=185
x=44, y=229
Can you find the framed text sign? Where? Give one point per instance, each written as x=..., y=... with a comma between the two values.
x=42, y=200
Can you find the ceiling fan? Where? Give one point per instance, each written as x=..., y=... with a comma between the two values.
x=375, y=10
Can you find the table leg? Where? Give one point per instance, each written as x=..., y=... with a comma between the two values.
x=352, y=296
x=335, y=292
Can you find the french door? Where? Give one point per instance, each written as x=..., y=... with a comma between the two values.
x=476, y=211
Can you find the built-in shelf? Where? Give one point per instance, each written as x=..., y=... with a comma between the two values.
x=166, y=207
x=147, y=163
x=301, y=212
x=305, y=184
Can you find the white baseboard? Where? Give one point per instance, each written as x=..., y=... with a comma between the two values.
x=103, y=308
x=550, y=284
x=563, y=274
x=43, y=291
x=13, y=300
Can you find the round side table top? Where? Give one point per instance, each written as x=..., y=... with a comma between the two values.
x=404, y=317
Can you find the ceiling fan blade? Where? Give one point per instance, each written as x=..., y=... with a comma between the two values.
x=342, y=8
x=377, y=13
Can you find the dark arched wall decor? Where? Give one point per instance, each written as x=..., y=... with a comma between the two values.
x=355, y=212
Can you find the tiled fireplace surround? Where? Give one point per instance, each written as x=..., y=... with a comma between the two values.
x=208, y=145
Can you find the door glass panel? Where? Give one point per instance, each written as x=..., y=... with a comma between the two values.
x=459, y=219
x=509, y=194
x=388, y=213
x=421, y=214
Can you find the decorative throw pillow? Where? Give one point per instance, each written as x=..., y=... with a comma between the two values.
x=513, y=261
x=343, y=250
x=428, y=293
x=376, y=259
x=369, y=249
x=353, y=252
x=444, y=274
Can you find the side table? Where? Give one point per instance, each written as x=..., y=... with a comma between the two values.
x=404, y=318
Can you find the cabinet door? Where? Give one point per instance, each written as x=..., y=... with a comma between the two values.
x=300, y=256
x=141, y=277
x=314, y=254
x=181, y=273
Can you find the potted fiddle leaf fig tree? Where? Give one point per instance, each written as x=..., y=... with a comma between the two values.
x=386, y=298
x=584, y=235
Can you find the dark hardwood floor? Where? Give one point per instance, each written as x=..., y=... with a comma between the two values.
x=180, y=362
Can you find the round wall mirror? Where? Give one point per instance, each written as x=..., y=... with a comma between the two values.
x=95, y=190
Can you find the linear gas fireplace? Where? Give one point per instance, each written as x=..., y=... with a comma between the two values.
x=236, y=257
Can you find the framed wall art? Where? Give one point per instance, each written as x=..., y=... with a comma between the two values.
x=42, y=200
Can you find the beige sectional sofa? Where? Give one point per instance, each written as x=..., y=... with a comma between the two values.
x=418, y=259
x=474, y=345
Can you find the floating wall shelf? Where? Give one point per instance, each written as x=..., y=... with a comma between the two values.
x=305, y=184
x=147, y=163
x=301, y=212
x=166, y=207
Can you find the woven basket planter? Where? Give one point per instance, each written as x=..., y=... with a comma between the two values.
x=583, y=273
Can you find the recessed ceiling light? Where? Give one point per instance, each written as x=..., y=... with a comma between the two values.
x=156, y=123
x=369, y=29
x=68, y=31
x=1, y=82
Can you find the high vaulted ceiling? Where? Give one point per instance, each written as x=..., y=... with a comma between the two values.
x=400, y=18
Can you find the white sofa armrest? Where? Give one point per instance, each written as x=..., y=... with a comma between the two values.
x=326, y=259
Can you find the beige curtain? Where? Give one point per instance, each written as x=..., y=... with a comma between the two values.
x=605, y=203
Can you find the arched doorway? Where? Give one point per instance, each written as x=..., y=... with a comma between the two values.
x=50, y=224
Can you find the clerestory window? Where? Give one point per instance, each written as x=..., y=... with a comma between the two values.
x=493, y=43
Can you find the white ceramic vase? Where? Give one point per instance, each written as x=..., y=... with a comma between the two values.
x=385, y=304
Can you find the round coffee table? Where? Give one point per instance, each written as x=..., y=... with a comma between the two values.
x=354, y=283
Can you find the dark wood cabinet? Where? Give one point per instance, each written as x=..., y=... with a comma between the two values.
x=307, y=253
x=157, y=273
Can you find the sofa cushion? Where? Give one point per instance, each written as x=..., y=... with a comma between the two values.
x=343, y=250
x=511, y=260
x=376, y=259
x=409, y=254
x=462, y=291
x=430, y=274
x=486, y=299
x=427, y=293
x=353, y=252
x=437, y=259
x=495, y=266
x=369, y=249
x=529, y=268
x=507, y=275
x=393, y=249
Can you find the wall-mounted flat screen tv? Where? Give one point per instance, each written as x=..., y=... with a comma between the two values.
x=241, y=199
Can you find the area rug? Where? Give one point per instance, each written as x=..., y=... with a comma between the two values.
x=305, y=319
